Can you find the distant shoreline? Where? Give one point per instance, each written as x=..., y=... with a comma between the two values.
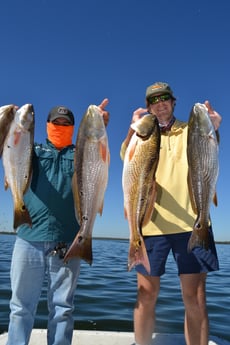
x=94, y=237
x=103, y=238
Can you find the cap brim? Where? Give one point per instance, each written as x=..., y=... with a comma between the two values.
x=58, y=116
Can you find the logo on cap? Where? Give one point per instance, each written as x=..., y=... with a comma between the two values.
x=156, y=86
x=62, y=111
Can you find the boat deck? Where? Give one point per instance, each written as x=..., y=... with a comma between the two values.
x=38, y=337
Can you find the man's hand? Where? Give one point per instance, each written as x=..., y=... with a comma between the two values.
x=104, y=112
x=138, y=113
x=214, y=116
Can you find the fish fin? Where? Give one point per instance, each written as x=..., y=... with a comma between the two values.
x=199, y=238
x=81, y=248
x=107, y=158
x=103, y=151
x=132, y=150
x=6, y=184
x=17, y=136
x=138, y=255
x=21, y=216
x=215, y=199
x=191, y=194
x=101, y=208
x=150, y=205
x=217, y=136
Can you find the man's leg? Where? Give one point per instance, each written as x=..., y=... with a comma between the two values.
x=62, y=283
x=144, y=312
x=196, y=325
x=27, y=275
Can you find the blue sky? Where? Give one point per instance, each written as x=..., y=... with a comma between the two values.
x=77, y=52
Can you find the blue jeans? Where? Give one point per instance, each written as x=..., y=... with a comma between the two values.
x=31, y=262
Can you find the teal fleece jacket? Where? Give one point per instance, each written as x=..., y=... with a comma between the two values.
x=50, y=199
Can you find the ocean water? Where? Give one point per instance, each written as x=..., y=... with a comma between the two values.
x=106, y=292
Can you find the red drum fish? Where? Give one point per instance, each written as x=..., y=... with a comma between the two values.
x=203, y=168
x=89, y=180
x=7, y=113
x=17, y=160
x=139, y=185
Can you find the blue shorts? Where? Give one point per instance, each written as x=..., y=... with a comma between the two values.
x=198, y=261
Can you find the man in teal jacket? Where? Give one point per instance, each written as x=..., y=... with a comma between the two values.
x=39, y=251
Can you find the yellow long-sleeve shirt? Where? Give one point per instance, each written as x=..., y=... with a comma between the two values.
x=173, y=211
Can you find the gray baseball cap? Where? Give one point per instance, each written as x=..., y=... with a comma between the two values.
x=159, y=88
x=60, y=111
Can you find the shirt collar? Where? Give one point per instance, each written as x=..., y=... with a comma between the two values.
x=168, y=126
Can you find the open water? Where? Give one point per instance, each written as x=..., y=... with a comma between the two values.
x=106, y=292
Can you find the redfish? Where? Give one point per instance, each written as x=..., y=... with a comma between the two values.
x=203, y=169
x=7, y=113
x=17, y=160
x=139, y=184
x=90, y=180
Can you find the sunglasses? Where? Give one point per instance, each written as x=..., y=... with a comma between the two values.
x=157, y=99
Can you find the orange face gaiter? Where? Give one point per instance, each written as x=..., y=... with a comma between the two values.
x=60, y=136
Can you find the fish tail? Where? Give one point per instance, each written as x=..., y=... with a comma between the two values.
x=21, y=216
x=81, y=248
x=199, y=238
x=138, y=255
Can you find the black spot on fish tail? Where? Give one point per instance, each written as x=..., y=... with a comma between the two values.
x=197, y=226
x=80, y=238
x=81, y=248
x=199, y=238
x=138, y=255
x=21, y=216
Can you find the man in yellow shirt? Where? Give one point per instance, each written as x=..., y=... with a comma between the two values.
x=171, y=225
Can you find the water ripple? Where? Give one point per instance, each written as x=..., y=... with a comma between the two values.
x=106, y=292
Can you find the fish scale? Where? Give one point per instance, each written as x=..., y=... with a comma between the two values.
x=7, y=113
x=139, y=185
x=90, y=180
x=17, y=160
x=203, y=169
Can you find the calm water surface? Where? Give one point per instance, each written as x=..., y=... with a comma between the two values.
x=106, y=292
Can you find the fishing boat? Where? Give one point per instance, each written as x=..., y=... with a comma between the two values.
x=38, y=337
